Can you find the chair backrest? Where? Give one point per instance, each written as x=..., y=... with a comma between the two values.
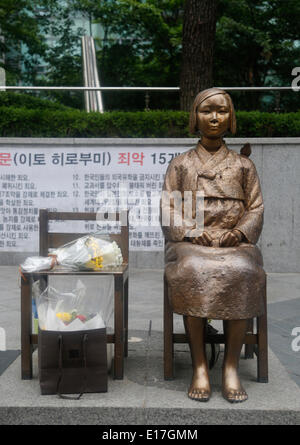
x=57, y=239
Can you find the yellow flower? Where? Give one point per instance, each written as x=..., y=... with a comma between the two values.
x=64, y=316
x=95, y=263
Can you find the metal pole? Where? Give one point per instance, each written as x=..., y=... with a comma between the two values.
x=88, y=88
x=86, y=94
x=89, y=77
x=93, y=97
x=2, y=79
x=96, y=78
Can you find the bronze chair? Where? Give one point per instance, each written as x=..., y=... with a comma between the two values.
x=121, y=280
x=257, y=343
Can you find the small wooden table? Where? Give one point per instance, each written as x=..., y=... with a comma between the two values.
x=121, y=278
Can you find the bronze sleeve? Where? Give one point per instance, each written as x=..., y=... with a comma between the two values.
x=251, y=222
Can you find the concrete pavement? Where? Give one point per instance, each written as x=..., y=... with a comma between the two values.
x=143, y=397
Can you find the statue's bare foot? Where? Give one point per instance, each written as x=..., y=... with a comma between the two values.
x=232, y=388
x=200, y=387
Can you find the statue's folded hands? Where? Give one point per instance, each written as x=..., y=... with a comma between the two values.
x=202, y=240
x=231, y=239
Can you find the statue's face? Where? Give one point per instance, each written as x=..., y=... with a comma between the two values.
x=213, y=116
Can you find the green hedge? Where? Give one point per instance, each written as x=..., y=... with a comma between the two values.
x=21, y=122
x=42, y=122
x=20, y=100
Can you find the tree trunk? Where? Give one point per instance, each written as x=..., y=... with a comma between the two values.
x=199, y=29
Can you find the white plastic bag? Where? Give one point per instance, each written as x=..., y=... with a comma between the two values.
x=37, y=263
x=74, y=311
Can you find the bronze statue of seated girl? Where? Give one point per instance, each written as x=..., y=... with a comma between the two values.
x=218, y=273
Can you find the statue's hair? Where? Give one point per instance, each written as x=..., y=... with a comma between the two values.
x=201, y=97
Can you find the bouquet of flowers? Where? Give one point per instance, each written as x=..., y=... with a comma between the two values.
x=89, y=252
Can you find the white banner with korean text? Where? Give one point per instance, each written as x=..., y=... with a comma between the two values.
x=82, y=178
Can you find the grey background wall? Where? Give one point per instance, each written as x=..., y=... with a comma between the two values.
x=278, y=164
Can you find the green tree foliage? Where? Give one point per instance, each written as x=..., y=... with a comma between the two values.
x=62, y=58
x=141, y=45
x=20, y=25
x=25, y=26
x=257, y=45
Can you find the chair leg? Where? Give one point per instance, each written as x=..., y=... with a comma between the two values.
x=249, y=349
x=168, y=336
x=26, y=329
x=119, y=328
x=262, y=349
x=126, y=316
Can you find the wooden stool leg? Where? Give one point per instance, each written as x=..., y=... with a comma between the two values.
x=168, y=336
x=262, y=349
x=249, y=349
x=119, y=328
x=26, y=329
x=126, y=316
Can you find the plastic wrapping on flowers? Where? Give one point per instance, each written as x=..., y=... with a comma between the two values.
x=90, y=252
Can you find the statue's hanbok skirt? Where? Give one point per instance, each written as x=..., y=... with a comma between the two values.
x=222, y=283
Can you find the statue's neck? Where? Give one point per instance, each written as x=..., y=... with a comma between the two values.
x=211, y=145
